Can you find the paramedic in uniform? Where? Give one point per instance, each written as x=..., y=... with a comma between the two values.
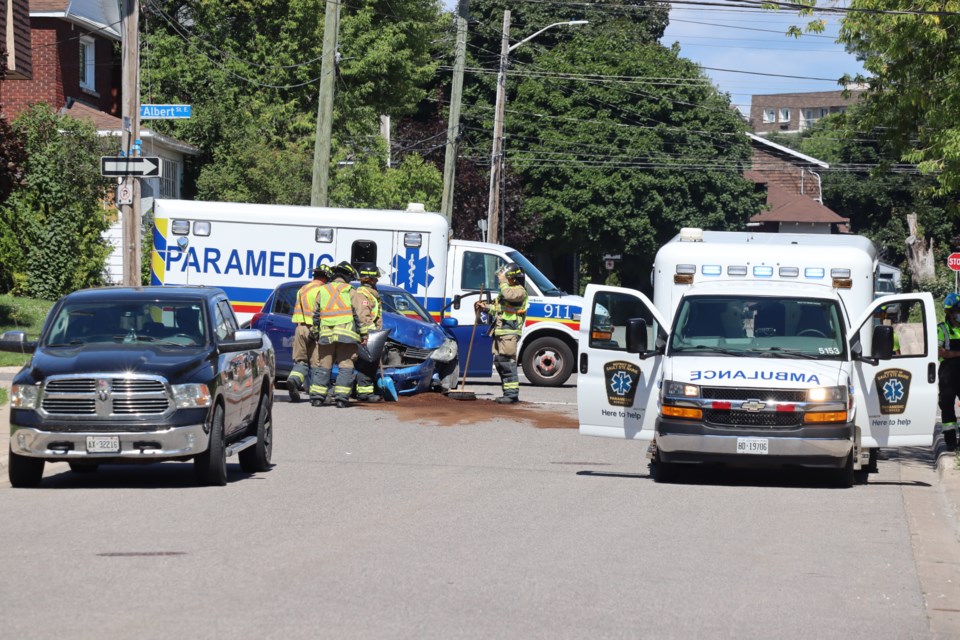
x=369, y=313
x=305, y=356
x=509, y=313
x=948, y=336
x=337, y=336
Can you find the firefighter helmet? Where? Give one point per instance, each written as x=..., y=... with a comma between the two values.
x=323, y=271
x=513, y=272
x=345, y=270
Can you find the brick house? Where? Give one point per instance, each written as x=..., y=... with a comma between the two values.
x=67, y=54
x=794, y=196
x=793, y=112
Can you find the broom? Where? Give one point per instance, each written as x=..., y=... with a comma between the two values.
x=460, y=394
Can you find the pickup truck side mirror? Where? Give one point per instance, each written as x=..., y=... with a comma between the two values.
x=16, y=342
x=882, y=342
x=636, y=335
x=243, y=340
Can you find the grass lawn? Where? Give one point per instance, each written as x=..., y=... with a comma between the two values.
x=21, y=314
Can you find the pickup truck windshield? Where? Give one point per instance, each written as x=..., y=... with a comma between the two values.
x=758, y=327
x=174, y=323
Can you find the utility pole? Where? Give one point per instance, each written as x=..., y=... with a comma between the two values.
x=130, y=112
x=496, y=154
x=453, y=122
x=328, y=73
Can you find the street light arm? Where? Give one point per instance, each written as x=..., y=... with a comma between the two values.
x=549, y=26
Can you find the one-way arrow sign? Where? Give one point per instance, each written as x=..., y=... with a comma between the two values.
x=134, y=166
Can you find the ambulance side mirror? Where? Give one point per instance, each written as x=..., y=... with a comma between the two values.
x=456, y=301
x=882, y=342
x=636, y=335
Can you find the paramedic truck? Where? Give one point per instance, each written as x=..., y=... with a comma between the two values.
x=249, y=249
x=758, y=349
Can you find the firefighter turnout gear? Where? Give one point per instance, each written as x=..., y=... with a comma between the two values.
x=305, y=355
x=337, y=338
x=510, y=313
x=369, y=313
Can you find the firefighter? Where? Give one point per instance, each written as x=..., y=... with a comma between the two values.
x=948, y=335
x=369, y=313
x=509, y=312
x=337, y=337
x=305, y=356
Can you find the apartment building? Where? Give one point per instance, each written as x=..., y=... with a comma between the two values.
x=794, y=112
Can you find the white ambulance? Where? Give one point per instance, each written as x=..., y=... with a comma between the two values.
x=249, y=249
x=759, y=349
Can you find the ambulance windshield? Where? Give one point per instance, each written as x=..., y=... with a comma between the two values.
x=757, y=325
x=541, y=281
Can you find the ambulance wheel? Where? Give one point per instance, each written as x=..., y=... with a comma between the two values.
x=663, y=472
x=845, y=477
x=547, y=362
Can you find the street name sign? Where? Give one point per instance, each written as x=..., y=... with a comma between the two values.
x=954, y=261
x=164, y=111
x=138, y=166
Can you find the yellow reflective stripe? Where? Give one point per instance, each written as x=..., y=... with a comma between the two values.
x=342, y=390
x=511, y=385
x=365, y=389
x=318, y=390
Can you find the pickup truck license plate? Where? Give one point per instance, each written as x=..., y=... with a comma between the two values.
x=103, y=444
x=755, y=446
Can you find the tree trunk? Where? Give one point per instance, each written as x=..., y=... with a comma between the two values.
x=920, y=262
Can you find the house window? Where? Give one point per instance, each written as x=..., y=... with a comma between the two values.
x=170, y=180
x=88, y=63
x=769, y=115
x=784, y=114
x=824, y=112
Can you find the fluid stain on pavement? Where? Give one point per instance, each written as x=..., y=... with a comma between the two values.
x=434, y=409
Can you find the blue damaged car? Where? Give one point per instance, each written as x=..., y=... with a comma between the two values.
x=419, y=354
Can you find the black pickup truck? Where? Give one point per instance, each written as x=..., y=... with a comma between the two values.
x=138, y=375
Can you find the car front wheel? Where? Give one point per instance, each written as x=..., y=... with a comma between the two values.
x=24, y=471
x=257, y=457
x=211, y=465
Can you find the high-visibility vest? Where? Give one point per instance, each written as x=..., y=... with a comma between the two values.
x=511, y=316
x=946, y=333
x=306, y=299
x=336, y=313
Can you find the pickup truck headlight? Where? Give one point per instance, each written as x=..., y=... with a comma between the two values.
x=445, y=352
x=191, y=396
x=24, y=396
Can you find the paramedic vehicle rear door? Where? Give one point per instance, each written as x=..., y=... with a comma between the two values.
x=616, y=390
x=899, y=395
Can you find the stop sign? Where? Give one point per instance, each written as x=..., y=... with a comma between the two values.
x=954, y=261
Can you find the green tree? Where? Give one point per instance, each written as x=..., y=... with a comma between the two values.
x=251, y=70
x=910, y=54
x=51, y=228
x=868, y=185
x=617, y=141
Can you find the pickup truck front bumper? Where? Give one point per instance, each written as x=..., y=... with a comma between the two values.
x=811, y=446
x=173, y=442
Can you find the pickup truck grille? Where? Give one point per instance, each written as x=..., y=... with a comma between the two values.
x=105, y=396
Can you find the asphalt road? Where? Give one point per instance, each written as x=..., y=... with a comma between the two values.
x=389, y=522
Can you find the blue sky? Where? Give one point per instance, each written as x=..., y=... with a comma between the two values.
x=748, y=40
